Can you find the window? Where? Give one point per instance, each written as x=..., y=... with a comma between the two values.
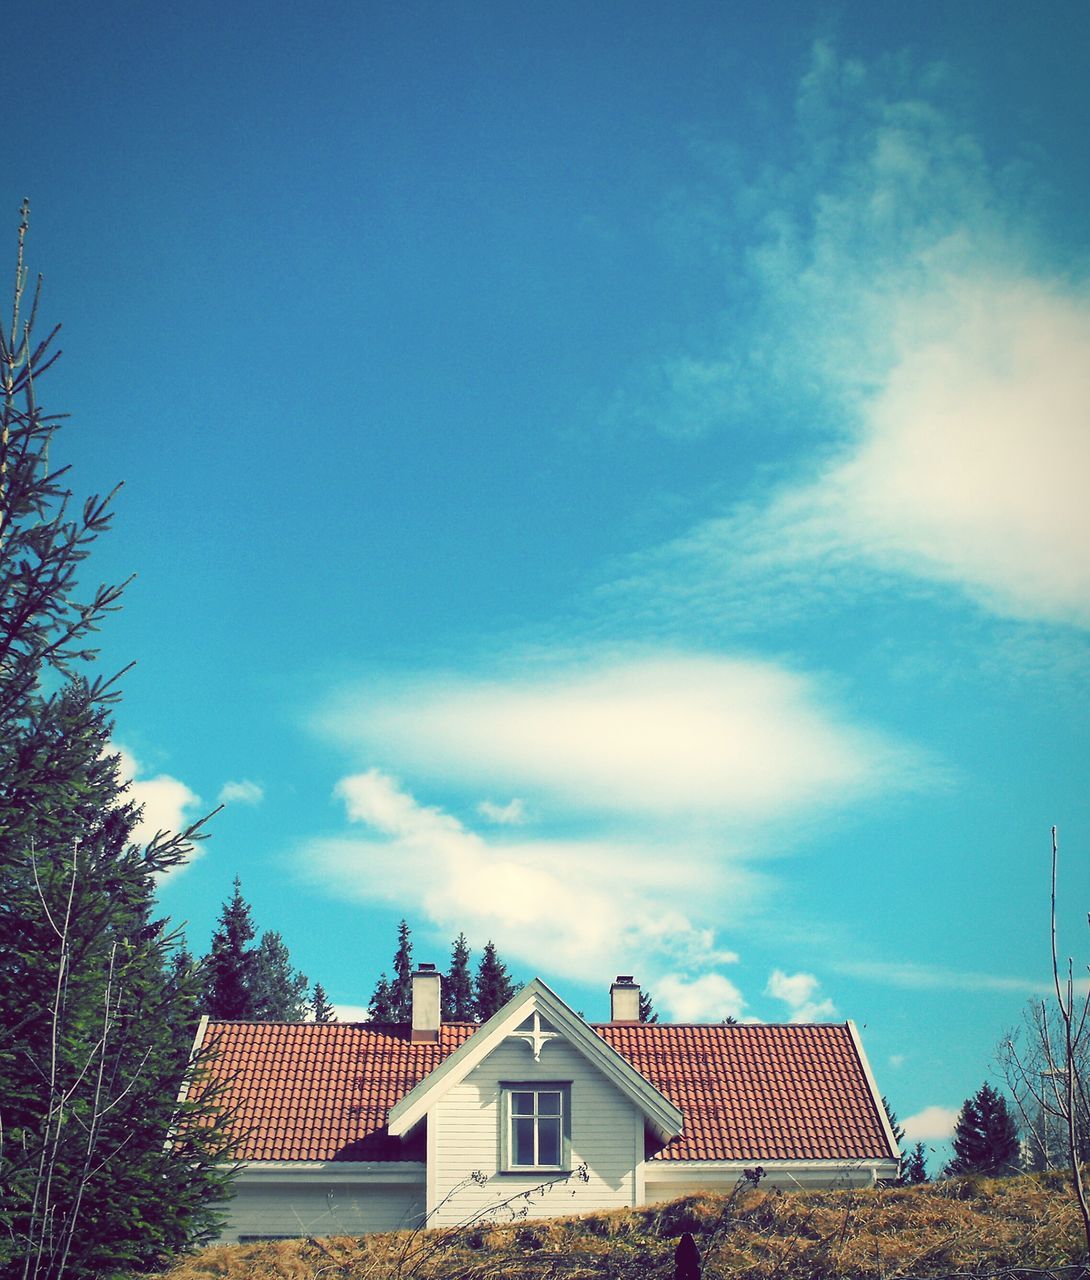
x=536, y=1126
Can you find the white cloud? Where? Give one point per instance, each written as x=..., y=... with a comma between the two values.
x=798, y=991
x=932, y=1124
x=974, y=455
x=900, y=311
x=896, y=1061
x=167, y=803
x=242, y=792
x=709, y=998
x=350, y=1012
x=923, y=977
x=670, y=735
x=580, y=908
x=648, y=768
x=511, y=814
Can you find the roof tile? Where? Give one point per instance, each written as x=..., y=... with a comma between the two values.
x=322, y=1091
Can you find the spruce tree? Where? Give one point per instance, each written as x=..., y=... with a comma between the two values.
x=187, y=984
x=894, y=1124
x=986, y=1136
x=380, y=1008
x=278, y=992
x=898, y=1133
x=458, y=987
x=230, y=967
x=320, y=1008
x=494, y=985
x=401, y=988
x=914, y=1167
x=647, y=1008
x=90, y=1059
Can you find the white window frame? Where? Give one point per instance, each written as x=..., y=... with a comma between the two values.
x=507, y=1120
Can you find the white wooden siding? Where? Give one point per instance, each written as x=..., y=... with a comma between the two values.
x=464, y=1136
x=310, y=1206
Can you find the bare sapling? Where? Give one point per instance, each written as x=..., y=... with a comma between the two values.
x=1063, y=1076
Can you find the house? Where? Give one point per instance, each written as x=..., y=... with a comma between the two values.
x=357, y=1127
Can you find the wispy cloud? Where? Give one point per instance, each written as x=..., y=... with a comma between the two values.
x=663, y=736
x=511, y=814
x=924, y=977
x=243, y=792
x=946, y=376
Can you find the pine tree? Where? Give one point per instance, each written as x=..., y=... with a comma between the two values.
x=89, y=1000
x=914, y=1167
x=186, y=983
x=381, y=1008
x=986, y=1136
x=494, y=985
x=458, y=986
x=278, y=992
x=894, y=1124
x=320, y=1008
x=230, y=968
x=401, y=988
x=647, y=1008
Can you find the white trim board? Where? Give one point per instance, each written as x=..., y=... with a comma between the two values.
x=660, y=1113
x=876, y=1097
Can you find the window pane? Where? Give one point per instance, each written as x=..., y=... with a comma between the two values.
x=522, y=1140
x=522, y=1104
x=548, y=1104
x=548, y=1142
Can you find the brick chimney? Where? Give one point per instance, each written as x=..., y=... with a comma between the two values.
x=427, y=985
x=624, y=999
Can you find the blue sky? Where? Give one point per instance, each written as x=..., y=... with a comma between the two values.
x=610, y=480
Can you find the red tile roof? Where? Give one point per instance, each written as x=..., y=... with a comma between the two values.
x=306, y=1091
x=794, y=1092
x=320, y=1091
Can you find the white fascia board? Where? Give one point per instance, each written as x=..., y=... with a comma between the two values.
x=198, y=1044
x=667, y=1171
x=376, y=1171
x=658, y=1110
x=876, y=1097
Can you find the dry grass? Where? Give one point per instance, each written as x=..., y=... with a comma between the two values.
x=964, y=1226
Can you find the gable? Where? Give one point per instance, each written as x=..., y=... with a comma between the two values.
x=659, y=1113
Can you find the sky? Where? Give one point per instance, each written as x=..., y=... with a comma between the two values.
x=609, y=479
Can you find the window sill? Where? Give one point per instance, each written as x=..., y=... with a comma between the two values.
x=533, y=1170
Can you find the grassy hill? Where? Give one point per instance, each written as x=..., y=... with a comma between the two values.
x=960, y=1226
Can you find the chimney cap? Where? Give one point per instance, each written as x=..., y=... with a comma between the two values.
x=624, y=980
x=425, y=968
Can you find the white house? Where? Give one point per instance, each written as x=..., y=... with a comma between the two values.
x=356, y=1127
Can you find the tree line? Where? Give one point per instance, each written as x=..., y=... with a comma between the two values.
x=465, y=996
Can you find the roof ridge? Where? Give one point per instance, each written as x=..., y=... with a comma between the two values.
x=724, y=1026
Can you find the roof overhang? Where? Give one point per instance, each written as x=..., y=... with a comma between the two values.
x=658, y=1111
x=377, y=1171
x=875, y=1096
